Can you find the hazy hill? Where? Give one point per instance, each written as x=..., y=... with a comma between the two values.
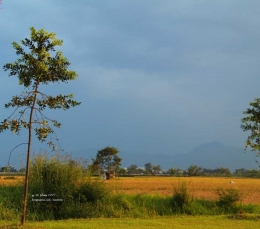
x=210, y=156
x=215, y=154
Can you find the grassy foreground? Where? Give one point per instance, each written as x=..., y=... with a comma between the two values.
x=187, y=222
x=64, y=195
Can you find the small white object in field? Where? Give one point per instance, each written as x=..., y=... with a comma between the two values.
x=232, y=182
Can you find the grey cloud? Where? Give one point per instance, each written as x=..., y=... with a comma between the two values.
x=153, y=75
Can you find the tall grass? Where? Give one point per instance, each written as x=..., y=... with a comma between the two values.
x=181, y=198
x=51, y=179
x=10, y=201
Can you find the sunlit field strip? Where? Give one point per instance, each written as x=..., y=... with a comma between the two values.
x=200, y=187
x=181, y=222
x=4, y=181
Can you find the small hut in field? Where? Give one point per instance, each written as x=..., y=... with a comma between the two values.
x=107, y=175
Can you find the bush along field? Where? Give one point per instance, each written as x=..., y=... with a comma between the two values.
x=61, y=188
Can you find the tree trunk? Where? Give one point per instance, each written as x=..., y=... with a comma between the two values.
x=28, y=158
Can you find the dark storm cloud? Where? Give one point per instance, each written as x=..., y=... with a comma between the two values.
x=153, y=75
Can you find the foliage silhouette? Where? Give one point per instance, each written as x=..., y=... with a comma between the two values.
x=252, y=123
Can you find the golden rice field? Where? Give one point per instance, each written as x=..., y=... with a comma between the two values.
x=4, y=181
x=200, y=187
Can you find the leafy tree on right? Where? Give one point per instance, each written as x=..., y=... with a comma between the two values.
x=252, y=123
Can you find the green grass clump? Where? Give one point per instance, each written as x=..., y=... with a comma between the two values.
x=145, y=206
x=10, y=201
x=228, y=200
x=182, y=198
x=91, y=191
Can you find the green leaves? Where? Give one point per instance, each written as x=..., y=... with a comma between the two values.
x=60, y=101
x=20, y=101
x=38, y=64
x=43, y=132
x=14, y=125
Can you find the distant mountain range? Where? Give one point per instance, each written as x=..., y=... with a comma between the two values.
x=210, y=155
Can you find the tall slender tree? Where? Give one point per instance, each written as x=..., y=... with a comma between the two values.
x=38, y=64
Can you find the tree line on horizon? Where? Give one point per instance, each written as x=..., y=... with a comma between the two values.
x=155, y=170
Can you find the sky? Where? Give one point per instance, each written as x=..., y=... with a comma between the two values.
x=159, y=77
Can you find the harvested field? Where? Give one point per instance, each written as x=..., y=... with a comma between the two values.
x=200, y=187
x=11, y=180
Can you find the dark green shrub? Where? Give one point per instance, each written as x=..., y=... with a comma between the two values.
x=121, y=202
x=181, y=198
x=228, y=199
x=91, y=191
